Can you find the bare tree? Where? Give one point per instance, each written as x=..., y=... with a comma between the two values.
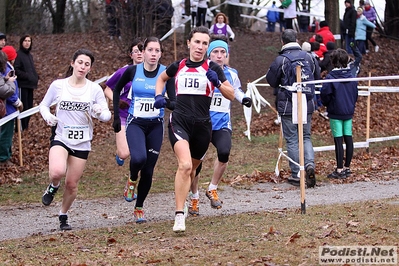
x=233, y=12
x=3, y=16
x=57, y=14
x=331, y=13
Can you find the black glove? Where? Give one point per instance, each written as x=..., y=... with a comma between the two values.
x=170, y=105
x=231, y=39
x=213, y=77
x=160, y=101
x=246, y=101
x=117, y=124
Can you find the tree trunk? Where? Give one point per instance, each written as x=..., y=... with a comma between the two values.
x=3, y=16
x=187, y=26
x=331, y=13
x=391, y=23
x=57, y=15
x=233, y=13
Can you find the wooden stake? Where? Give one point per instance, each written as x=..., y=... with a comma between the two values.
x=300, y=142
x=174, y=44
x=21, y=163
x=368, y=114
x=280, y=146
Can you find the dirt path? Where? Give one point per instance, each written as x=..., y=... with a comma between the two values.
x=33, y=219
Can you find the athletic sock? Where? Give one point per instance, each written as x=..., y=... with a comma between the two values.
x=194, y=195
x=212, y=187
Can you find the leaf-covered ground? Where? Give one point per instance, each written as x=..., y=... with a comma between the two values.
x=251, y=55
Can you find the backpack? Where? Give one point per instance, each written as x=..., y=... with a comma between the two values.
x=301, y=60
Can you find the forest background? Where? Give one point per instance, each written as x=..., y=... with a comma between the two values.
x=137, y=16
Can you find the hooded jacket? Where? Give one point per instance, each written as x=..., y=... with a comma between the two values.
x=339, y=97
x=277, y=72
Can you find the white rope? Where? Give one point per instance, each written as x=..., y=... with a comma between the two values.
x=257, y=101
x=320, y=81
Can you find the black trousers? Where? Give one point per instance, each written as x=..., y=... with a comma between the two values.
x=27, y=101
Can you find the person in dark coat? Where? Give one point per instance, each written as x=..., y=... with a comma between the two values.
x=326, y=64
x=340, y=99
x=278, y=78
x=350, y=17
x=27, y=75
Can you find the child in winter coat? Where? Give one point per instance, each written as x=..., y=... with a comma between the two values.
x=340, y=99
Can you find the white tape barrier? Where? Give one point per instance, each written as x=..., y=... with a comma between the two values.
x=257, y=101
x=234, y=3
x=367, y=92
x=35, y=109
x=248, y=116
x=8, y=118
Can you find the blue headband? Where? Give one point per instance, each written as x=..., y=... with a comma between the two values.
x=216, y=44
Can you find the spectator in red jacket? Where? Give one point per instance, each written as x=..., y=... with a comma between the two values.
x=325, y=32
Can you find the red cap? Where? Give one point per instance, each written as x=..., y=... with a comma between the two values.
x=10, y=52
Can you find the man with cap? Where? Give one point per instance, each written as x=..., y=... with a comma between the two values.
x=217, y=52
x=3, y=40
x=349, y=23
x=12, y=104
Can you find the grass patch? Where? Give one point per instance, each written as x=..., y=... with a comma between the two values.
x=280, y=237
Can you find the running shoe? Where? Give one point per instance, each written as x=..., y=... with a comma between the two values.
x=347, y=172
x=193, y=208
x=119, y=161
x=130, y=187
x=214, y=198
x=180, y=223
x=48, y=195
x=293, y=180
x=337, y=175
x=64, y=226
x=139, y=215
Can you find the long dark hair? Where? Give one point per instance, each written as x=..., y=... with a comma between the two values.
x=23, y=39
x=3, y=62
x=75, y=55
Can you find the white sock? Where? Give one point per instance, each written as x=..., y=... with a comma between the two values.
x=55, y=186
x=195, y=195
x=63, y=213
x=212, y=187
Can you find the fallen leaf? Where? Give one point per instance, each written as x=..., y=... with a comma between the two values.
x=352, y=223
x=293, y=237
